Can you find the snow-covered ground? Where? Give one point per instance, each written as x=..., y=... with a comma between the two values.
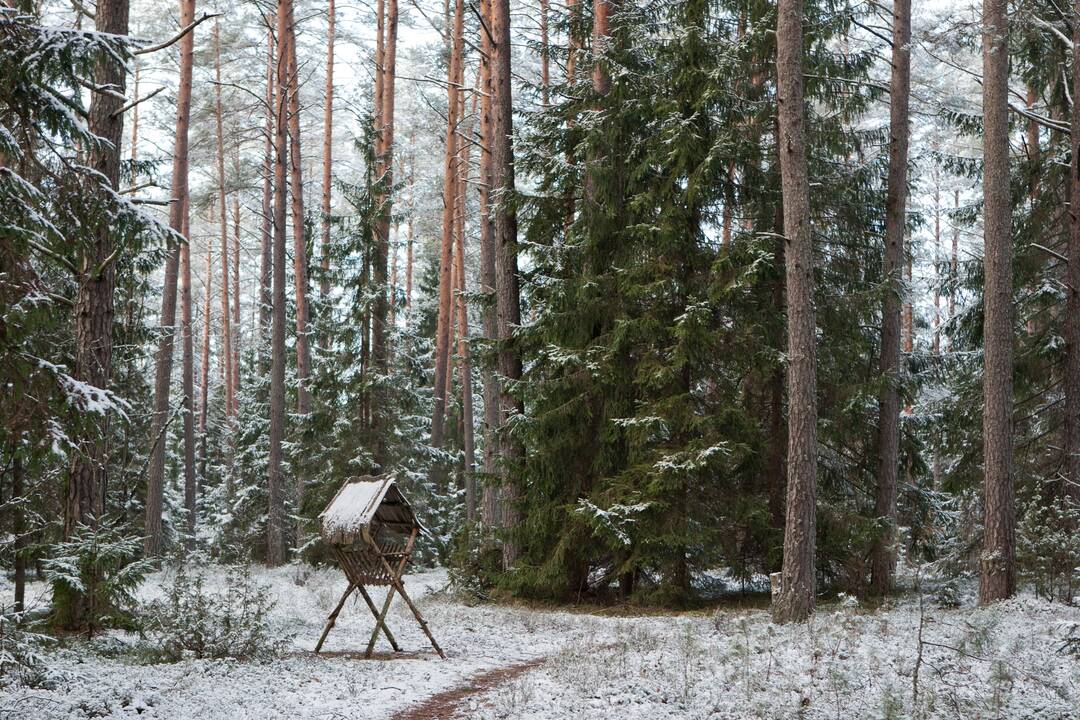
x=1006, y=661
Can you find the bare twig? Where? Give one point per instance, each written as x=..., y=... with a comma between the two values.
x=175, y=38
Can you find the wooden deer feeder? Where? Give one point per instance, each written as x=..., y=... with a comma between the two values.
x=371, y=528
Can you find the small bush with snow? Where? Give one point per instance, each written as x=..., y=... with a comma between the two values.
x=21, y=662
x=192, y=621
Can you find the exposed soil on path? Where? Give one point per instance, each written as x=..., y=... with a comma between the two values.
x=446, y=704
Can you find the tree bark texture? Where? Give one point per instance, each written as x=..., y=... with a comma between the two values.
x=94, y=301
x=163, y=366
x=489, y=323
x=275, y=545
x=266, y=247
x=997, y=577
x=385, y=173
x=296, y=192
x=1072, y=307
x=507, y=291
x=883, y=552
x=328, y=151
x=226, y=326
x=795, y=602
x=442, y=336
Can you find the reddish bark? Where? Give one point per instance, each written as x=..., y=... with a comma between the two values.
x=997, y=576
x=443, y=329
x=328, y=147
x=177, y=216
x=226, y=325
x=795, y=601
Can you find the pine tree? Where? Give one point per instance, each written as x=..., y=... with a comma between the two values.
x=997, y=578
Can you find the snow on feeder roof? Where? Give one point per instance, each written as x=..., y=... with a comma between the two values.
x=365, y=502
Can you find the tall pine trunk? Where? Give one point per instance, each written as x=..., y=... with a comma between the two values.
x=328, y=148
x=883, y=552
x=163, y=371
x=463, y=349
x=204, y=355
x=235, y=324
x=1072, y=308
x=507, y=290
x=226, y=326
x=296, y=191
x=443, y=332
x=997, y=576
x=488, y=319
x=187, y=383
x=266, y=245
x=545, y=55
x=385, y=172
x=94, y=301
x=795, y=601
x=275, y=539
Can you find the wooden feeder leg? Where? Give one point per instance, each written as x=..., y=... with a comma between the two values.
x=395, y=577
x=420, y=619
x=333, y=616
x=380, y=622
x=375, y=612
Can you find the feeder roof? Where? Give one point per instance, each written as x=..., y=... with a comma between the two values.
x=360, y=503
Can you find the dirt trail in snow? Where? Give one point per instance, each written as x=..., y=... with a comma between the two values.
x=445, y=705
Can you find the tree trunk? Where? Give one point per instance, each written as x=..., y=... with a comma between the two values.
x=507, y=291
x=442, y=335
x=94, y=302
x=18, y=531
x=545, y=55
x=226, y=327
x=409, y=231
x=204, y=365
x=954, y=262
x=1072, y=306
x=385, y=172
x=601, y=34
x=490, y=513
x=328, y=149
x=464, y=357
x=163, y=371
x=275, y=548
x=296, y=183
x=135, y=114
x=795, y=601
x=883, y=552
x=997, y=577
x=265, y=259
x=236, y=289
x=778, y=435
x=188, y=385
x=937, y=260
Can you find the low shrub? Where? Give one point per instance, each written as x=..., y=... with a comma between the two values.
x=192, y=621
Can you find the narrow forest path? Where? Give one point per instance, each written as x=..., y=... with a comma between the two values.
x=445, y=705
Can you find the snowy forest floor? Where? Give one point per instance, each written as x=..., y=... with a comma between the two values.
x=850, y=662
